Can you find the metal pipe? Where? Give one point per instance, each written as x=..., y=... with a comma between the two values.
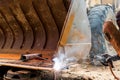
x=26, y=57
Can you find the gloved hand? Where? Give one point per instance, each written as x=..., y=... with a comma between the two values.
x=106, y=60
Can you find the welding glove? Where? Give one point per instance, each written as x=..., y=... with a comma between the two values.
x=106, y=59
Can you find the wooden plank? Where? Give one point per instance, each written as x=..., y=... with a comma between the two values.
x=36, y=24
x=27, y=30
x=46, y=17
x=59, y=12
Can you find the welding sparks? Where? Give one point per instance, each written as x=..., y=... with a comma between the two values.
x=78, y=43
x=59, y=62
x=62, y=61
x=70, y=55
x=64, y=58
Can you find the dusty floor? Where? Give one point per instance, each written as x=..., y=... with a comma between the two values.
x=90, y=72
